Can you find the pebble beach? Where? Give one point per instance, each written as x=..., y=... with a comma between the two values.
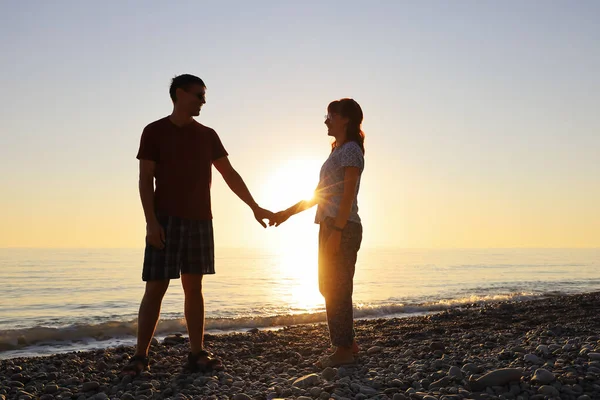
x=539, y=349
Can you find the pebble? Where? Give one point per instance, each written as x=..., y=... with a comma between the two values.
x=89, y=386
x=329, y=373
x=437, y=346
x=471, y=368
x=50, y=389
x=532, y=358
x=455, y=373
x=543, y=376
x=368, y=390
x=306, y=381
x=425, y=357
x=499, y=377
x=549, y=391
x=242, y=396
x=594, y=356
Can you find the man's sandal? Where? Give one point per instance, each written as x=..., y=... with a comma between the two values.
x=203, y=362
x=137, y=364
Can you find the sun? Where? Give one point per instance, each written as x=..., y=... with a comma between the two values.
x=291, y=182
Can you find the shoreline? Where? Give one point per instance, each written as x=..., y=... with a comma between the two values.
x=552, y=344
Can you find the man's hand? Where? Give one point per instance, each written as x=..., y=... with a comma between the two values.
x=261, y=214
x=332, y=245
x=279, y=218
x=155, y=235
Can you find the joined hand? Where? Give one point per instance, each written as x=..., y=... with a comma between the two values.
x=279, y=218
x=261, y=214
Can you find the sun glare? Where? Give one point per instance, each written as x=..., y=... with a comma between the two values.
x=291, y=182
x=296, y=240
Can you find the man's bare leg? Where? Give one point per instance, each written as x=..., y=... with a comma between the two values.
x=149, y=313
x=194, y=310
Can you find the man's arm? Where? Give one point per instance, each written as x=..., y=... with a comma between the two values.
x=237, y=186
x=154, y=232
x=146, y=186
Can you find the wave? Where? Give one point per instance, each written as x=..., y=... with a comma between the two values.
x=39, y=335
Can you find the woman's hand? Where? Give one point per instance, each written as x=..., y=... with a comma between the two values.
x=279, y=218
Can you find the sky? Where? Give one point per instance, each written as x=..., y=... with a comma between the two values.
x=480, y=116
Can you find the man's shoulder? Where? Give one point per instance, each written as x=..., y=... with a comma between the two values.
x=203, y=128
x=159, y=124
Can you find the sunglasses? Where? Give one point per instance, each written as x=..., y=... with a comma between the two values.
x=200, y=96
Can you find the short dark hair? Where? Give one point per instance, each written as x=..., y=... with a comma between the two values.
x=183, y=82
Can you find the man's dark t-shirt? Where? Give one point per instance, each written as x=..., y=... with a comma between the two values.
x=184, y=157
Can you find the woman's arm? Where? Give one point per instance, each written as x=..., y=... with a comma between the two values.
x=300, y=206
x=351, y=175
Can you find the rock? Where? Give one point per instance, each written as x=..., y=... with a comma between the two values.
x=374, y=350
x=127, y=396
x=437, y=346
x=455, y=373
x=50, y=389
x=532, y=358
x=173, y=339
x=369, y=391
x=253, y=330
x=399, y=396
x=101, y=396
x=303, y=398
x=542, y=349
x=439, y=383
x=102, y=366
x=203, y=380
x=154, y=342
x=549, y=391
x=306, y=381
x=329, y=373
x=429, y=397
x=543, y=376
x=499, y=377
x=594, y=356
x=584, y=397
x=127, y=379
x=239, y=384
x=315, y=392
x=242, y=396
x=471, y=368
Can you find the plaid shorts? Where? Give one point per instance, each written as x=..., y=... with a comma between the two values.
x=189, y=249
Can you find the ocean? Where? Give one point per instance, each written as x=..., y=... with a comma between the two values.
x=60, y=300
